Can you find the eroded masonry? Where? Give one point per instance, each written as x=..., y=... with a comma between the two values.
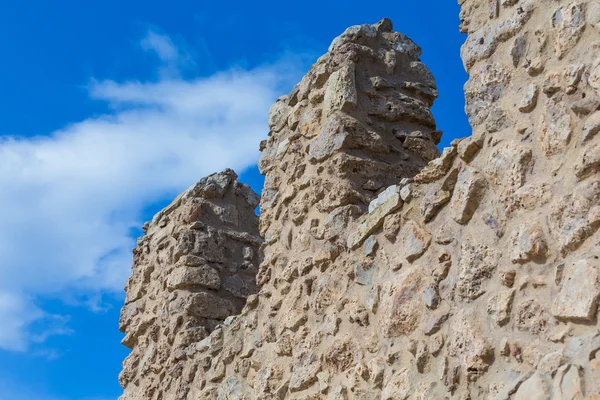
x=379, y=268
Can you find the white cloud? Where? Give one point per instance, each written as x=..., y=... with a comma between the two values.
x=172, y=56
x=161, y=44
x=70, y=198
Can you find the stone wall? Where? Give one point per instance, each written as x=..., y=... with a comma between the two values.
x=391, y=273
x=195, y=265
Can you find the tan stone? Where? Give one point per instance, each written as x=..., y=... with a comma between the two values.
x=414, y=239
x=580, y=292
x=467, y=194
x=401, y=306
x=499, y=306
x=534, y=388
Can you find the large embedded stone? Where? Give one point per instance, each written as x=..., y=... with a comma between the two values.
x=468, y=341
x=476, y=265
x=591, y=126
x=589, y=161
x=402, y=306
x=203, y=305
x=534, y=388
x=203, y=276
x=414, y=239
x=530, y=99
x=340, y=93
x=398, y=387
x=368, y=223
x=306, y=367
x=568, y=22
x=467, y=194
x=580, y=291
x=528, y=243
x=556, y=129
x=500, y=305
x=437, y=168
x=568, y=383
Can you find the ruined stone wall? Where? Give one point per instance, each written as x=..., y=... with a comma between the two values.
x=194, y=266
x=476, y=278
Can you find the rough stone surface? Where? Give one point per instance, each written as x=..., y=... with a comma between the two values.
x=195, y=266
x=389, y=271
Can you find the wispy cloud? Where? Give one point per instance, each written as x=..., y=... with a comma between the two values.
x=172, y=57
x=12, y=390
x=70, y=198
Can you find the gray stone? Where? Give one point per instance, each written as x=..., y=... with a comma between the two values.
x=366, y=225
x=530, y=99
x=370, y=246
x=569, y=23
x=415, y=240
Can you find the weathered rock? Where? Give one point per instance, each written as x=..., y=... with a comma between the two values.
x=467, y=341
x=415, y=240
x=352, y=297
x=189, y=294
x=592, y=126
x=499, y=306
x=475, y=269
x=534, y=388
x=568, y=21
x=567, y=383
x=306, y=368
x=340, y=93
x=398, y=386
x=530, y=99
x=528, y=243
x=482, y=44
x=401, y=308
x=467, y=194
x=366, y=225
x=580, y=291
x=556, y=129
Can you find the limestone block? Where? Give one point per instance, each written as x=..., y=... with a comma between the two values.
x=534, y=388
x=500, y=305
x=568, y=22
x=402, y=306
x=366, y=225
x=414, y=240
x=528, y=243
x=340, y=93
x=467, y=194
x=204, y=276
x=591, y=126
x=580, y=291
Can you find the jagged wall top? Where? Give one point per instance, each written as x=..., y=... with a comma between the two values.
x=359, y=121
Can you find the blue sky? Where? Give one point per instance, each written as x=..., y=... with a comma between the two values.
x=109, y=109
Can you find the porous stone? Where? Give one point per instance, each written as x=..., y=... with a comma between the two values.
x=348, y=296
x=500, y=305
